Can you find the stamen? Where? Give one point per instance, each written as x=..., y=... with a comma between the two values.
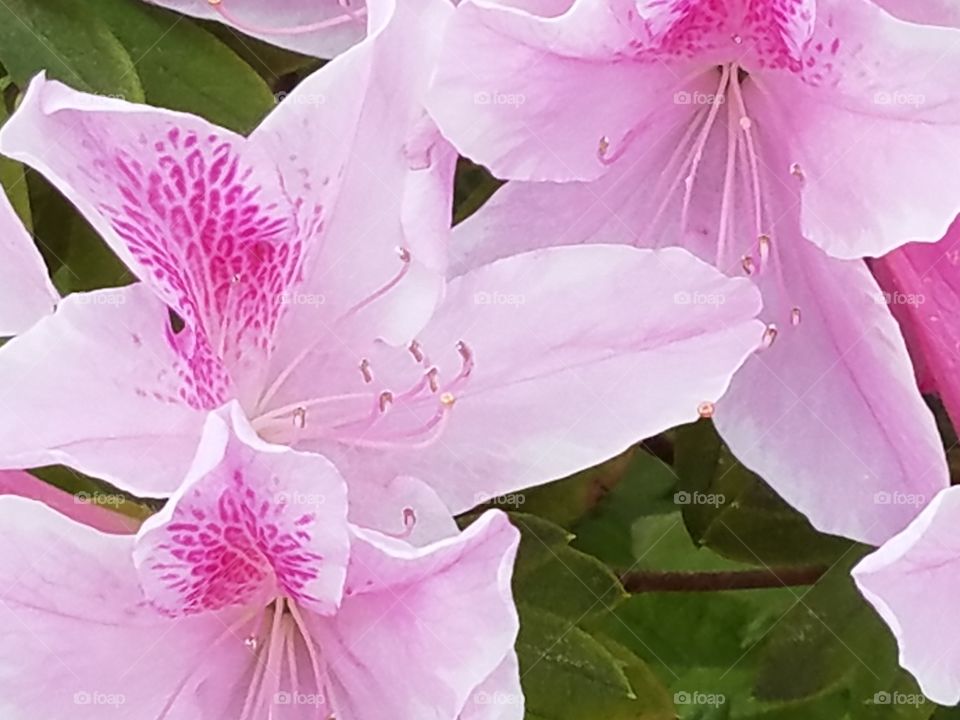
x=405, y=258
x=385, y=400
x=448, y=399
x=311, y=649
x=769, y=335
x=701, y=145
x=366, y=371
x=433, y=378
x=763, y=244
x=296, y=30
x=747, y=264
x=727, y=202
x=409, y=523
x=416, y=350
x=257, y=680
x=797, y=172
x=795, y=316
x=705, y=410
x=300, y=418
x=466, y=357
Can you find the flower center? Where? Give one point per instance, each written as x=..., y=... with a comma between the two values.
x=351, y=15
x=743, y=198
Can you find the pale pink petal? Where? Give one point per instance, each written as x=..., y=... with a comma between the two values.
x=26, y=294
x=405, y=507
x=500, y=696
x=421, y=628
x=830, y=414
x=874, y=94
x=380, y=259
x=80, y=641
x=75, y=507
x=323, y=28
x=913, y=581
x=251, y=522
x=551, y=98
x=539, y=370
x=195, y=211
x=921, y=283
x=98, y=386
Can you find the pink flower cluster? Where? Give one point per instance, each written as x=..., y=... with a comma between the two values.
x=317, y=373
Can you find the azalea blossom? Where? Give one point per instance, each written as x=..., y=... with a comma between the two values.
x=323, y=28
x=249, y=596
x=782, y=141
x=912, y=581
x=305, y=269
x=26, y=293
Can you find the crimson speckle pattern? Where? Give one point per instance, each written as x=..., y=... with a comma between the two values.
x=770, y=32
x=219, y=246
x=230, y=549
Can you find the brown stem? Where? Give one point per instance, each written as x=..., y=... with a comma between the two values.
x=641, y=581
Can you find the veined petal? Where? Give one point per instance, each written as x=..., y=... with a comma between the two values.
x=251, y=522
x=120, y=408
x=912, y=581
x=397, y=647
x=81, y=642
x=194, y=210
x=874, y=94
x=921, y=284
x=323, y=28
x=549, y=98
x=26, y=293
x=543, y=370
x=830, y=414
x=380, y=258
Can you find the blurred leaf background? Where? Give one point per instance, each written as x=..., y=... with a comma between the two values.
x=669, y=582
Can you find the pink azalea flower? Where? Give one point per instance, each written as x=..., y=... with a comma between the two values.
x=323, y=28
x=249, y=596
x=782, y=140
x=307, y=263
x=912, y=581
x=26, y=293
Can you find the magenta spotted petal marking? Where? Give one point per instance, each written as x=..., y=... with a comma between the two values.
x=249, y=593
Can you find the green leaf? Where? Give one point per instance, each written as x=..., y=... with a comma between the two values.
x=551, y=574
x=184, y=67
x=70, y=42
x=645, y=488
x=569, y=674
x=734, y=513
x=832, y=640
